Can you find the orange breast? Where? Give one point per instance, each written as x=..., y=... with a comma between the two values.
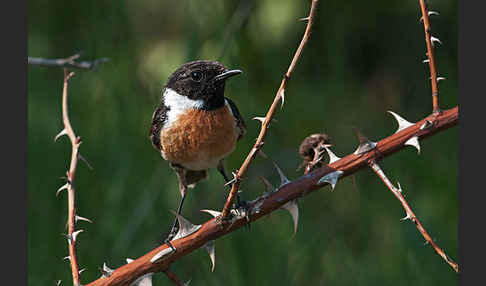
x=199, y=139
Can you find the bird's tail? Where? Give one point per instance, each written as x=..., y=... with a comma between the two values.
x=193, y=177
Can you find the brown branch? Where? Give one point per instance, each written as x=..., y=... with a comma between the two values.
x=431, y=57
x=411, y=215
x=266, y=204
x=270, y=113
x=75, y=142
x=69, y=62
x=173, y=277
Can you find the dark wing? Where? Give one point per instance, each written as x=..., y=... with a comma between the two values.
x=158, y=120
x=240, y=123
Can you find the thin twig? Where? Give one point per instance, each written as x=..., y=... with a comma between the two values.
x=411, y=215
x=69, y=62
x=268, y=118
x=75, y=142
x=299, y=187
x=431, y=57
x=173, y=277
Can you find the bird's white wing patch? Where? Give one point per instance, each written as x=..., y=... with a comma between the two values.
x=178, y=104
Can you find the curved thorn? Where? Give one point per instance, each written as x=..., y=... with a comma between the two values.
x=212, y=212
x=283, y=179
x=435, y=40
x=332, y=157
x=413, y=141
x=145, y=280
x=185, y=227
x=209, y=246
x=63, y=187
x=293, y=208
x=402, y=123
x=365, y=144
x=399, y=187
x=67, y=258
x=58, y=282
x=261, y=119
x=426, y=61
x=268, y=186
x=304, y=19
x=330, y=178
x=440, y=78
x=430, y=13
x=85, y=161
x=187, y=282
x=282, y=96
x=161, y=254
x=63, y=132
x=81, y=271
x=106, y=271
x=76, y=218
x=129, y=260
x=75, y=234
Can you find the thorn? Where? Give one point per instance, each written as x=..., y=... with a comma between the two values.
x=332, y=157
x=283, y=178
x=399, y=187
x=293, y=209
x=330, y=178
x=106, y=271
x=129, y=260
x=209, y=246
x=235, y=177
x=262, y=154
x=58, y=282
x=304, y=19
x=161, y=254
x=261, y=119
x=63, y=132
x=187, y=282
x=185, y=227
x=67, y=258
x=81, y=271
x=430, y=13
x=85, y=161
x=365, y=145
x=212, y=212
x=268, y=186
x=421, y=19
x=75, y=234
x=145, y=280
x=76, y=218
x=63, y=187
x=426, y=61
x=434, y=39
x=407, y=217
x=282, y=96
x=426, y=124
x=402, y=123
x=440, y=78
x=413, y=141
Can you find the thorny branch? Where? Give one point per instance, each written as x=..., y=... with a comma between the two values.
x=69, y=186
x=429, y=40
x=69, y=62
x=271, y=111
x=397, y=192
x=266, y=204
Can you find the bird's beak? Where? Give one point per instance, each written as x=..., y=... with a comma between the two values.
x=226, y=74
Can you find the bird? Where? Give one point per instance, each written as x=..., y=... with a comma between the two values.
x=195, y=127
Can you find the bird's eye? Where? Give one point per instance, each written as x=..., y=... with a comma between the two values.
x=196, y=75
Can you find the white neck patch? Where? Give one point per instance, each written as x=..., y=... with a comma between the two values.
x=178, y=104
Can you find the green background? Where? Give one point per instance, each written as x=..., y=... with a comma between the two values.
x=363, y=58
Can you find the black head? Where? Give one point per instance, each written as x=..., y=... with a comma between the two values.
x=201, y=80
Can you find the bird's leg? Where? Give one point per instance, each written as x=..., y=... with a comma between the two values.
x=181, y=177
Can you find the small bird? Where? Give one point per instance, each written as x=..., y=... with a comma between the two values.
x=195, y=126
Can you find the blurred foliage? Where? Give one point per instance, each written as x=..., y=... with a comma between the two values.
x=363, y=58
